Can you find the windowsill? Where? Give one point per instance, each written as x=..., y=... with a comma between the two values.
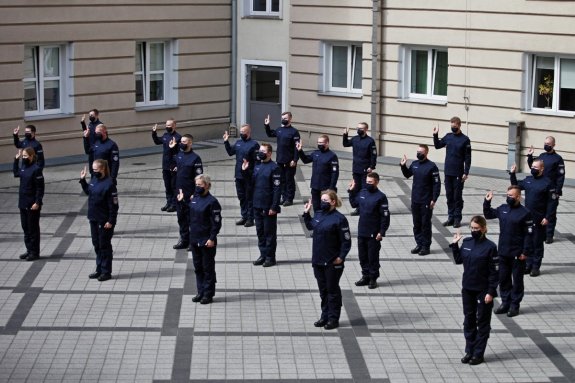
x=543, y=112
x=265, y=17
x=146, y=108
x=54, y=116
x=423, y=101
x=341, y=94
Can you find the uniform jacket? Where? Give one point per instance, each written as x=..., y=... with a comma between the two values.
x=325, y=169
x=426, y=181
x=331, y=236
x=35, y=144
x=102, y=200
x=457, y=154
x=554, y=169
x=480, y=264
x=168, y=154
x=92, y=128
x=515, y=228
x=540, y=196
x=266, y=186
x=287, y=136
x=373, y=209
x=205, y=218
x=189, y=166
x=105, y=150
x=31, y=185
x=364, y=152
x=243, y=150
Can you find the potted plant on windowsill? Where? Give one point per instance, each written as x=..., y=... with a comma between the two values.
x=546, y=89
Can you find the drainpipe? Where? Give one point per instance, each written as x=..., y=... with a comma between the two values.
x=234, y=63
x=374, y=74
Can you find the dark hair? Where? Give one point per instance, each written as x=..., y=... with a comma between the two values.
x=365, y=125
x=480, y=220
x=424, y=146
x=288, y=113
x=267, y=146
x=31, y=153
x=96, y=111
x=325, y=137
x=373, y=175
x=189, y=136
x=455, y=119
x=32, y=128
x=514, y=187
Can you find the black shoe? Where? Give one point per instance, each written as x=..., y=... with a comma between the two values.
x=288, y=203
x=331, y=324
x=466, y=358
x=190, y=248
x=354, y=212
x=249, y=223
x=364, y=281
x=104, y=277
x=269, y=263
x=165, y=207
x=501, y=310
x=424, y=251
x=416, y=249
x=260, y=261
x=527, y=270
x=171, y=209
x=24, y=256
x=180, y=245
x=206, y=300
x=449, y=222
x=512, y=313
x=476, y=360
x=549, y=240
x=241, y=222
x=94, y=275
x=535, y=273
x=32, y=257
x=197, y=298
x=320, y=323
x=372, y=284
x=456, y=224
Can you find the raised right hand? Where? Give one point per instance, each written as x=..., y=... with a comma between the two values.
x=436, y=129
x=489, y=195
x=155, y=127
x=267, y=120
x=83, y=173
x=530, y=151
x=17, y=130
x=226, y=136
x=307, y=206
x=403, y=160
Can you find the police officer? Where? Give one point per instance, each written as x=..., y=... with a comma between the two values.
x=515, y=244
x=168, y=162
x=286, y=156
x=479, y=286
x=325, y=168
x=103, y=149
x=331, y=244
x=373, y=224
x=205, y=224
x=266, y=183
x=102, y=214
x=188, y=167
x=364, y=155
x=424, y=193
x=554, y=169
x=244, y=148
x=30, y=140
x=94, y=120
x=457, y=164
x=30, y=197
x=541, y=201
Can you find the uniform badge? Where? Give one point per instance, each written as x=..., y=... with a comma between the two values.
x=115, y=199
x=198, y=171
x=277, y=182
x=115, y=158
x=347, y=236
x=217, y=218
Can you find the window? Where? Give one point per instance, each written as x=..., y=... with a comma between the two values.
x=264, y=7
x=425, y=74
x=45, y=90
x=343, y=68
x=155, y=74
x=552, y=83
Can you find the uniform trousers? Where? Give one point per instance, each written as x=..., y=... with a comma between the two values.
x=368, y=252
x=170, y=186
x=205, y=268
x=102, y=242
x=477, y=321
x=245, y=193
x=287, y=180
x=30, y=221
x=183, y=212
x=539, y=233
x=511, y=289
x=421, y=214
x=454, y=195
x=266, y=229
x=327, y=277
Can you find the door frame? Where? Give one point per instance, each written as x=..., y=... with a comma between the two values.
x=244, y=85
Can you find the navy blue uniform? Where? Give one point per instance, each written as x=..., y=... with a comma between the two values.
x=515, y=239
x=426, y=188
x=91, y=137
x=104, y=150
x=168, y=163
x=324, y=173
x=189, y=165
x=205, y=224
x=374, y=219
x=331, y=239
x=102, y=208
x=34, y=144
x=244, y=150
x=457, y=163
x=31, y=192
x=554, y=169
x=287, y=137
x=480, y=277
x=541, y=201
x=364, y=157
x=266, y=182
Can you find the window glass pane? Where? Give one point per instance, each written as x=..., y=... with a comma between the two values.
x=30, y=96
x=139, y=57
x=139, y=88
x=30, y=62
x=259, y=5
x=275, y=5
x=52, y=94
x=265, y=86
x=339, y=67
x=440, y=84
x=357, y=54
x=567, y=88
x=156, y=87
x=543, y=82
x=419, y=72
x=52, y=62
x=156, y=56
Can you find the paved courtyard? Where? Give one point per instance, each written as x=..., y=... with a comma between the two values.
x=57, y=325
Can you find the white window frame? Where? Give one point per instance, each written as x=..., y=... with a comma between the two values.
x=405, y=74
x=530, y=80
x=328, y=65
x=268, y=12
x=63, y=78
x=169, y=72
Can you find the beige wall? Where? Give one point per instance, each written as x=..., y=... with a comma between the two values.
x=108, y=32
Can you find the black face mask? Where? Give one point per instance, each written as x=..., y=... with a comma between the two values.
x=244, y=137
x=360, y=132
x=324, y=206
x=371, y=188
x=200, y=190
x=98, y=175
x=476, y=235
x=262, y=156
x=99, y=136
x=169, y=130
x=183, y=146
x=321, y=147
x=285, y=122
x=28, y=136
x=26, y=161
x=548, y=148
x=454, y=130
x=92, y=119
x=535, y=172
x=510, y=201
x=420, y=156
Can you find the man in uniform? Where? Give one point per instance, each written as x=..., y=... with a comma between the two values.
x=364, y=155
x=457, y=164
x=424, y=193
x=30, y=140
x=94, y=118
x=103, y=149
x=168, y=162
x=286, y=156
x=325, y=169
x=244, y=148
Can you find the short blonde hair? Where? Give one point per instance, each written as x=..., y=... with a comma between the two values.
x=205, y=179
x=332, y=196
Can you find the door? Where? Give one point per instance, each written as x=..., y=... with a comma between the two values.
x=264, y=89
